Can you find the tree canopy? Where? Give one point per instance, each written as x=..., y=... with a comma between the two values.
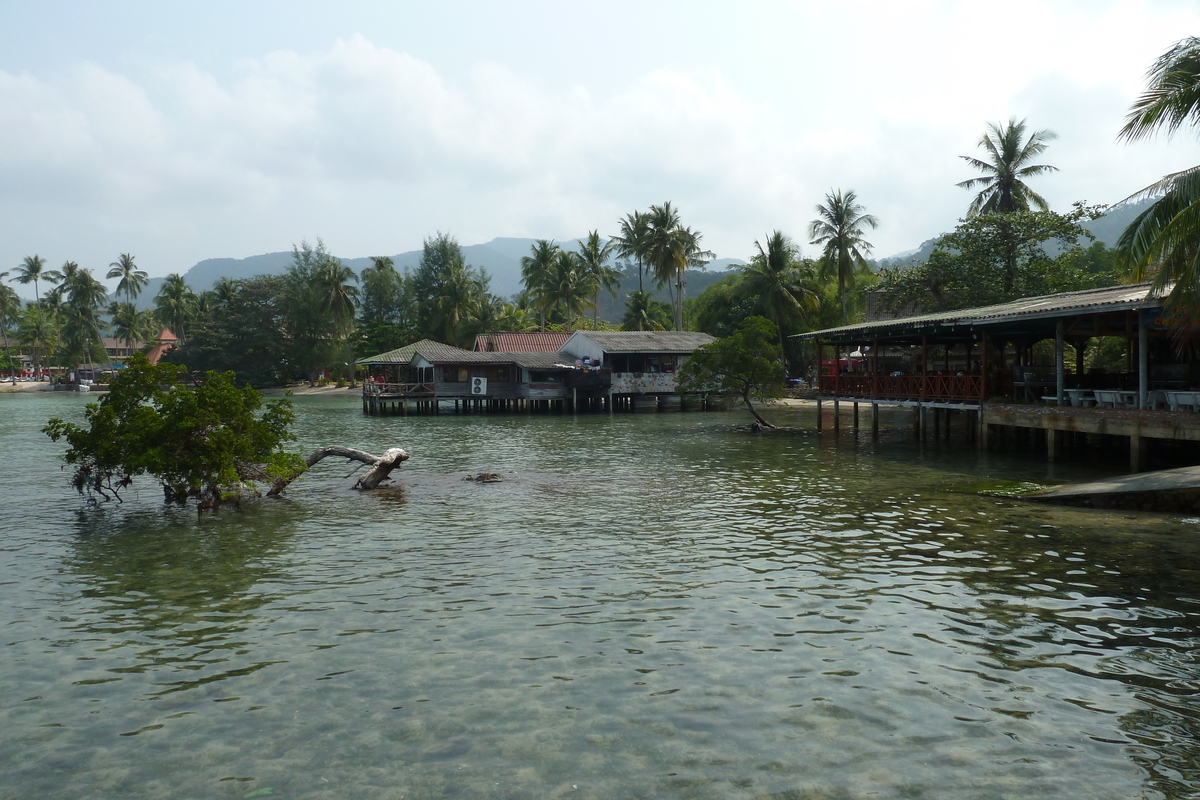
x=208, y=443
x=993, y=258
x=245, y=331
x=749, y=363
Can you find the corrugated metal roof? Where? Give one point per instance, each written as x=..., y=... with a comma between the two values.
x=1112, y=298
x=501, y=342
x=439, y=353
x=541, y=360
x=648, y=341
x=431, y=351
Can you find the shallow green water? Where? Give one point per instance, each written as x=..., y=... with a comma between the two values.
x=650, y=606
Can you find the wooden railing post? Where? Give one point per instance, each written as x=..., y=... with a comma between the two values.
x=924, y=364
x=983, y=370
x=874, y=368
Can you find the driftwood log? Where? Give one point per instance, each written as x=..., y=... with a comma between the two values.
x=381, y=466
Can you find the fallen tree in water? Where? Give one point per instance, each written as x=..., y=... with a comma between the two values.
x=381, y=466
x=215, y=443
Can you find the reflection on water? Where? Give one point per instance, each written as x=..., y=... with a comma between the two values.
x=649, y=606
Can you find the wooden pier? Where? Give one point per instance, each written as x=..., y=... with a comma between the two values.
x=377, y=401
x=1060, y=426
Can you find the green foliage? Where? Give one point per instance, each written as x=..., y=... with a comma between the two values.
x=175, y=305
x=747, y=363
x=130, y=278
x=720, y=308
x=644, y=313
x=840, y=226
x=245, y=331
x=205, y=443
x=994, y=258
x=1163, y=242
x=318, y=306
x=449, y=296
x=131, y=325
x=783, y=285
x=1002, y=186
x=80, y=315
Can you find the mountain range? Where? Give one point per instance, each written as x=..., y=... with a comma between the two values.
x=1106, y=229
x=501, y=257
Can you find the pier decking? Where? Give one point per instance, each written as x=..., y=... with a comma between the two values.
x=982, y=361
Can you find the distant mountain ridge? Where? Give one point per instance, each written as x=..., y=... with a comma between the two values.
x=501, y=257
x=1106, y=229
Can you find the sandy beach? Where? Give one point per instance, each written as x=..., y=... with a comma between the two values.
x=19, y=386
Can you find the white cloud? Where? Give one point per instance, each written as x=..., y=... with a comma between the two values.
x=374, y=148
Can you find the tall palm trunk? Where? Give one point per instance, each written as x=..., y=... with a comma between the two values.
x=679, y=300
x=37, y=306
x=842, y=290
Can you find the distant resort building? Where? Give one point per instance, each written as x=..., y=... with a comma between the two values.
x=164, y=342
x=554, y=372
x=119, y=350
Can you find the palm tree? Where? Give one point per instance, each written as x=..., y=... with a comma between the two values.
x=175, y=305
x=594, y=257
x=67, y=274
x=132, y=279
x=777, y=280
x=536, y=271
x=569, y=286
x=457, y=303
x=36, y=333
x=225, y=290
x=644, y=313
x=131, y=325
x=839, y=226
x=1164, y=240
x=33, y=269
x=337, y=298
x=1009, y=154
x=670, y=250
x=10, y=309
x=632, y=241
x=85, y=296
x=510, y=317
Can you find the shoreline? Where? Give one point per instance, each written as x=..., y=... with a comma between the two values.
x=324, y=391
x=22, y=386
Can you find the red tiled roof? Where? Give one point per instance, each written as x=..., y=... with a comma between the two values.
x=159, y=350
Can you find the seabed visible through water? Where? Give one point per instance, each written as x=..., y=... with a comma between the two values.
x=647, y=606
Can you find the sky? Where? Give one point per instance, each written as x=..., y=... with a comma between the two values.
x=179, y=132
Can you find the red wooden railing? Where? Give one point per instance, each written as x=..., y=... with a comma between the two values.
x=907, y=387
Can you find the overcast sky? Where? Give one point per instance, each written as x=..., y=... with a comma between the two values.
x=179, y=132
